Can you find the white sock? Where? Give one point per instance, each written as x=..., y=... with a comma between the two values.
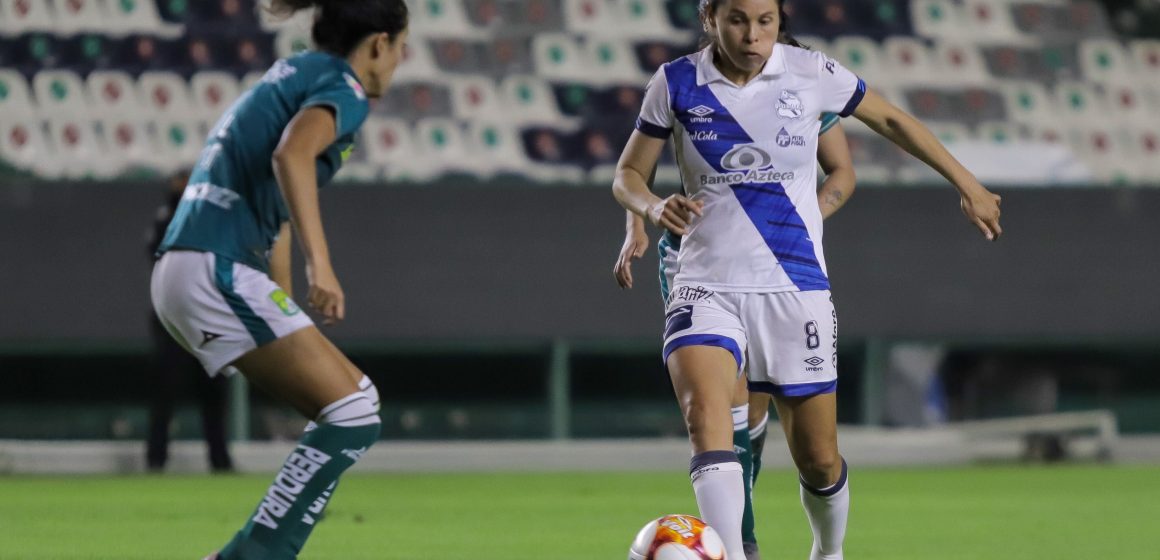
x=719, y=485
x=756, y=431
x=827, y=510
x=368, y=388
x=740, y=418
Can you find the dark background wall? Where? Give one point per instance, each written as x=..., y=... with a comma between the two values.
x=464, y=261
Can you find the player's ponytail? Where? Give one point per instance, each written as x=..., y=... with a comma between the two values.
x=340, y=25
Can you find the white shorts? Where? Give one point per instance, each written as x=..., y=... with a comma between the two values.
x=219, y=309
x=786, y=341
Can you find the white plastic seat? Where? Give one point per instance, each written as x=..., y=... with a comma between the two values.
x=644, y=19
x=1101, y=60
x=950, y=133
x=128, y=138
x=290, y=40
x=251, y=79
x=390, y=145
x=990, y=23
x=213, y=93
x=123, y=17
x=960, y=63
x=999, y=132
x=937, y=19
x=303, y=18
x=23, y=144
x=418, y=64
x=164, y=93
x=1028, y=102
x=59, y=93
x=861, y=56
x=613, y=61
x=179, y=141
x=1107, y=151
x=528, y=100
x=1129, y=103
x=76, y=144
x=1080, y=102
x=15, y=98
x=558, y=57
x=78, y=16
x=589, y=17
x=1145, y=146
x=909, y=60
x=112, y=92
x=441, y=140
x=498, y=146
x=1145, y=54
x=25, y=16
x=442, y=18
x=473, y=97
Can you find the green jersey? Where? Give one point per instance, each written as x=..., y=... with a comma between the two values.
x=232, y=205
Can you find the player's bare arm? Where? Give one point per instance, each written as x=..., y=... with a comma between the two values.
x=834, y=157
x=980, y=205
x=307, y=136
x=631, y=187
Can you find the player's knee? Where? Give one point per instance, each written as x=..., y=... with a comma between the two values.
x=370, y=390
x=354, y=410
x=820, y=467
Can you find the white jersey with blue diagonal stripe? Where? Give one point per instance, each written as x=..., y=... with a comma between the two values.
x=749, y=154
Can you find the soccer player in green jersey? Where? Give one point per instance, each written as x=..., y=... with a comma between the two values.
x=222, y=286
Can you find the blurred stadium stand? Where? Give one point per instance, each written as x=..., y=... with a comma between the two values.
x=547, y=90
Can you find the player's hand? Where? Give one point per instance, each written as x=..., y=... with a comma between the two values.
x=674, y=213
x=325, y=294
x=982, y=208
x=635, y=244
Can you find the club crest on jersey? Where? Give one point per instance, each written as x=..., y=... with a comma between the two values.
x=785, y=139
x=701, y=114
x=353, y=83
x=789, y=106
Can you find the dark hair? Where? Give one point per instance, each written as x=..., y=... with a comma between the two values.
x=783, y=34
x=340, y=25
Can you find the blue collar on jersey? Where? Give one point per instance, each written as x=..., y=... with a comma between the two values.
x=707, y=72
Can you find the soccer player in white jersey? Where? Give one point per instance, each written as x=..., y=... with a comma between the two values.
x=750, y=411
x=751, y=292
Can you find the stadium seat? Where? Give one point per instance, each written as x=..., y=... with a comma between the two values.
x=589, y=17
x=990, y=23
x=1130, y=103
x=416, y=100
x=164, y=93
x=77, y=145
x=60, y=92
x=78, y=16
x=418, y=64
x=613, y=62
x=508, y=55
x=1104, y=59
x=269, y=23
x=26, y=16
x=441, y=141
x=443, y=18
x=937, y=19
x=1000, y=132
x=861, y=56
x=455, y=56
x=123, y=17
x=497, y=145
x=532, y=16
x=1145, y=54
x=473, y=97
x=1105, y=150
x=1144, y=145
x=112, y=92
x=644, y=19
x=128, y=141
x=16, y=101
x=23, y=144
x=1028, y=102
x=1080, y=102
x=558, y=57
x=959, y=62
x=213, y=93
x=291, y=39
x=909, y=61
x=250, y=80
x=529, y=100
x=180, y=141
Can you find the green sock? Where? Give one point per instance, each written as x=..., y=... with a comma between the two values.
x=744, y=456
x=283, y=520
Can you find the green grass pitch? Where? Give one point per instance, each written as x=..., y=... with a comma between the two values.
x=1056, y=513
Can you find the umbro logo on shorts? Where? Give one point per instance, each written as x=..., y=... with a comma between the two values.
x=208, y=337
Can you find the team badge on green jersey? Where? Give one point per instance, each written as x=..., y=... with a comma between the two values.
x=283, y=301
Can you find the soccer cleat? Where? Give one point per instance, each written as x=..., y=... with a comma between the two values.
x=751, y=552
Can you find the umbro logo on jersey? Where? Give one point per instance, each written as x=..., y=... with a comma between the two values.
x=814, y=361
x=208, y=337
x=701, y=111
